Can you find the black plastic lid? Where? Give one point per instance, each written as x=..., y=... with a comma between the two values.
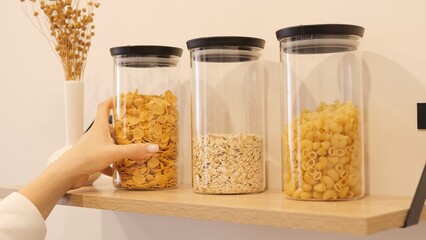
x=225, y=41
x=146, y=50
x=333, y=29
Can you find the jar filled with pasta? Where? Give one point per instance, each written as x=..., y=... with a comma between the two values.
x=228, y=115
x=322, y=106
x=146, y=84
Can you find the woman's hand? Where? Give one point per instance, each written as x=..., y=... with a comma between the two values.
x=94, y=152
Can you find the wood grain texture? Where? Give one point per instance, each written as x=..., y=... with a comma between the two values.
x=362, y=217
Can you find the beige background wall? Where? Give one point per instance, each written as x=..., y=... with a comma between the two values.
x=32, y=115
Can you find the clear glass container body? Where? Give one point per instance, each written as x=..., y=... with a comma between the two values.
x=146, y=90
x=322, y=117
x=228, y=120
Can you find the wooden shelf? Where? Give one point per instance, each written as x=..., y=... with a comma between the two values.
x=365, y=216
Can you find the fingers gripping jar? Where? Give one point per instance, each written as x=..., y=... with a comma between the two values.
x=146, y=81
x=322, y=138
x=228, y=124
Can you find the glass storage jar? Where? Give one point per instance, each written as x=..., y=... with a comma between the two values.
x=146, y=83
x=228, y=115
x=322, y=108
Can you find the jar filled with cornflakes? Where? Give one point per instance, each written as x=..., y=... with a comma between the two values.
x=322, y=105
x=228, y=115
x=146, y=84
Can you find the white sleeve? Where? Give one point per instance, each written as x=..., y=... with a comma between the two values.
x=20, y=219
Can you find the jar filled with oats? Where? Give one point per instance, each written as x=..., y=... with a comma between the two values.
x=228, y=115
x=146, y=82
x=322, y=105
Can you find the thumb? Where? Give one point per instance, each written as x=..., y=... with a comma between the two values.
x=137, y=151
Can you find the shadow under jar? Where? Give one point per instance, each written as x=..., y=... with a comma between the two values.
x=146, y=82
x=322, y=106
x=228, y=115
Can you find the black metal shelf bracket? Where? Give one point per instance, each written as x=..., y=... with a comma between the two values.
x=416, y=208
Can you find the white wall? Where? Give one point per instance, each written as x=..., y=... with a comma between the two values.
x=31, y=98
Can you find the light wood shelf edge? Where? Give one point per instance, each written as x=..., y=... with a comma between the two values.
x=361, y=217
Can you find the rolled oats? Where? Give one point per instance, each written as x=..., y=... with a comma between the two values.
x=228, y=163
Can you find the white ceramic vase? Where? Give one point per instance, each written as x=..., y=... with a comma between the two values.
x=74, y=111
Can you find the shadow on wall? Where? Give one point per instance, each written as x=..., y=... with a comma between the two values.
x=185, y=155
x=132, y=226
x=390, y=130
x=391, y=137
x=273, y=130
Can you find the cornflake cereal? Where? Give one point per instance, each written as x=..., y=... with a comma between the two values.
x=147, y=119
x=227, y=163
x=322, y=154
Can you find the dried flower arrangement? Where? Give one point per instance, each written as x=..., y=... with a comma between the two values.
x=68, y=27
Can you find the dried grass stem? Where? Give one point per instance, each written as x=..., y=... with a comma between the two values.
x=68, y=27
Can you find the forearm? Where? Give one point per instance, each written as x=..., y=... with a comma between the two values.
x=45, y=191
